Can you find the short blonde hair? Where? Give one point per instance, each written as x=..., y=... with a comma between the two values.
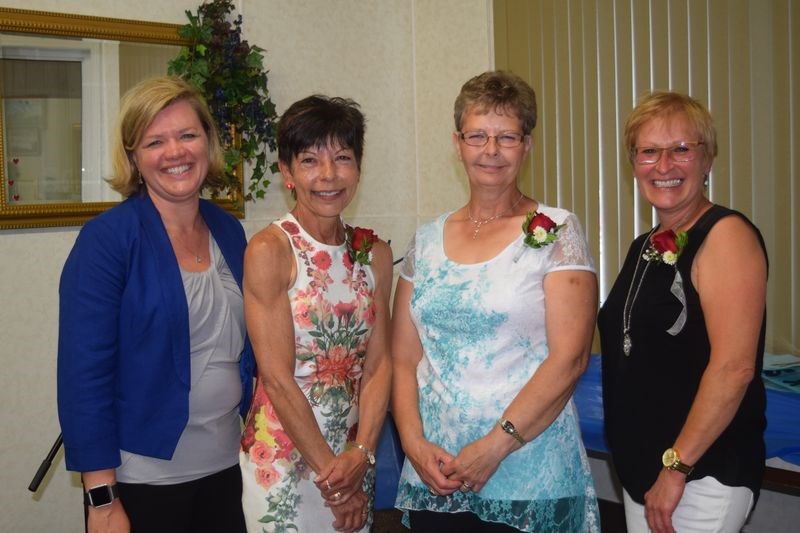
x=138, y=109
x=666, y=105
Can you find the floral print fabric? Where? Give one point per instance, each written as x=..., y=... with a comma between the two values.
x=333, y=309
x=482, y=328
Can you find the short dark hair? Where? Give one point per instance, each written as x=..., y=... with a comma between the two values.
x=497, y=90
x=321, y=120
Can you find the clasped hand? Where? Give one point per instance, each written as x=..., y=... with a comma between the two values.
x=474, y=464
x=340, y=484
x=444, y=474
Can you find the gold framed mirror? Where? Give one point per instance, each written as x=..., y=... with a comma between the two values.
x=61, y=78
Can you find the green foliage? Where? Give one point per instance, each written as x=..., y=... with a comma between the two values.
x=229, y=73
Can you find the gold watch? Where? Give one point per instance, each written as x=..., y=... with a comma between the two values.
x=671, y=459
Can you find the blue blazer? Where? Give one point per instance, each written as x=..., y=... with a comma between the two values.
x=123, y=344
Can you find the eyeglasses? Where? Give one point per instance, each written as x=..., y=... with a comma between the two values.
x=508, y=139
x=678, y=153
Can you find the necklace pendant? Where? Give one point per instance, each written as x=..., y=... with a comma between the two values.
x=626, y=344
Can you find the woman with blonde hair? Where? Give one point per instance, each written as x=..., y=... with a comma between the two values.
x=682, y=337
x=153, y=362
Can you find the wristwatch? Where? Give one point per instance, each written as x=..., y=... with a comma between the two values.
x=671, y=459
x=367, y=452
x=101, y=495
x=509, y=428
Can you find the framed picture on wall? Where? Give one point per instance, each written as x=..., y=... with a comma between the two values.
x=24, y=142
x=25, y=112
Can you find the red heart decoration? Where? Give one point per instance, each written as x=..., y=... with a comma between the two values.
x=15, y=160
x=16, y=197
x=10, y=183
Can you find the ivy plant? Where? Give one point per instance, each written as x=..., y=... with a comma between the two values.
x=229, y=73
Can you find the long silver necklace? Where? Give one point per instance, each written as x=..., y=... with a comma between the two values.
x=627, y=310
x=480, y=223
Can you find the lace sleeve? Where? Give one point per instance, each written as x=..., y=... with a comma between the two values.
x=571, y=251
x=407, y=265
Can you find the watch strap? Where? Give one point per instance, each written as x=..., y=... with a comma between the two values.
x=683, y=468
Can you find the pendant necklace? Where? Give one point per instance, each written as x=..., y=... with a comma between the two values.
x=627, y=310
x=480, y=223
x=198, y=258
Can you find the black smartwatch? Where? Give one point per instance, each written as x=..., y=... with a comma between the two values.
x=101, y=495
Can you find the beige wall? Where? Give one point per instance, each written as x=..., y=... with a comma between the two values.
x=403, y=60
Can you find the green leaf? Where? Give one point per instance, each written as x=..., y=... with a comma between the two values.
x=229, y=74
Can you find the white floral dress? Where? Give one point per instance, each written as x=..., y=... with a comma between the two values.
x=333, y=308
x=482, y=329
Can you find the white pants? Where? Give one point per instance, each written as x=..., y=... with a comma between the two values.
x=707, y=506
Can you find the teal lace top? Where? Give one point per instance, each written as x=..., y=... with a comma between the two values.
x=483, y=335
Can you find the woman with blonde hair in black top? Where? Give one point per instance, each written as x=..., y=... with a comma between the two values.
x=682, y=335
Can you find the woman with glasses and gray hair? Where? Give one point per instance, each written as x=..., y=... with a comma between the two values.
x=682, y=335
x=493, y=321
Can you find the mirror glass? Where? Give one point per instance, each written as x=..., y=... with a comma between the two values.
x=61, y=80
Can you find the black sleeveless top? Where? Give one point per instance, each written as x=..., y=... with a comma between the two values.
x=647, y=395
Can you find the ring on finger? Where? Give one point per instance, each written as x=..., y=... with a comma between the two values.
x=328, y=484
x=430, y=489
x=337, y=495
x=465, y=487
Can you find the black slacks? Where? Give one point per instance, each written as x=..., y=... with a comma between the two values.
x=212, y=504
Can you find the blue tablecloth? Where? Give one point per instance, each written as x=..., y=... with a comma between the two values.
x=782, y=436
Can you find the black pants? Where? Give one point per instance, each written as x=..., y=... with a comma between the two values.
x=212, y=504
x=466, y=522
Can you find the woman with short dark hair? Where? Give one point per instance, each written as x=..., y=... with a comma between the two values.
x=317, y=308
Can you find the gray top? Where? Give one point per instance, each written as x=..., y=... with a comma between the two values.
x=210, y=441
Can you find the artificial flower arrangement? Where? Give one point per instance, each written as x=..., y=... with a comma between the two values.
x=229, y=73
x=359, y=244
x=666, y=246
x=539, y=229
